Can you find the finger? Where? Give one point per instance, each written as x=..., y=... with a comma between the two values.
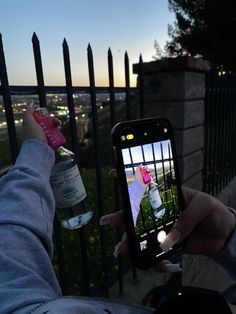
x=167, y=266
x=197, y=210
x=56, y=121
x=113, y=173
x=121, y=248
x=27, y=116
x=31, y=107
x=115, y=220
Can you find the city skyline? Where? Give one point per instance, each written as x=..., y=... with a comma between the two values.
x=122, y=26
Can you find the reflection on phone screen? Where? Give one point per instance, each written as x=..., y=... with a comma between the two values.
x=152, y=186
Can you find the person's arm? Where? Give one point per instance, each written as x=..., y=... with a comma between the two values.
x=26, y=222
x=136, y=191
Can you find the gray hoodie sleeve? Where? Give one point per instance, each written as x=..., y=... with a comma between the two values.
x=26, y=222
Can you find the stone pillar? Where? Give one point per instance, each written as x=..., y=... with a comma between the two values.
x=174, y=88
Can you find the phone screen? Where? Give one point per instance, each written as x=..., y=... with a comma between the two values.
x=149, y=166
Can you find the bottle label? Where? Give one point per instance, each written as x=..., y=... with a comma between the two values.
x=154, y=197
x=68, y=187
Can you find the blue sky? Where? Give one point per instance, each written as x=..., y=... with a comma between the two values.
x=137, y=153
x=122, y=25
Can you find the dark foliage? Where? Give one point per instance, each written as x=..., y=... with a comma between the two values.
x=206, y=28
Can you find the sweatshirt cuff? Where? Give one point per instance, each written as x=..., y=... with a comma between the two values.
x=37, y=155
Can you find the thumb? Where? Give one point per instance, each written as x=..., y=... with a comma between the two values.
x=196, y=211
x=28, y=116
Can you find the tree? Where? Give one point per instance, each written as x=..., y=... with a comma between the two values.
x=206, y=28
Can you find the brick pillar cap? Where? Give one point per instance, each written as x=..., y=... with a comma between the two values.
x=185, y=63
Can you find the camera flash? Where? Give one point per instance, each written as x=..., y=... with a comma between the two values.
x=130, y=136
x=165, y=130
x=161, y=236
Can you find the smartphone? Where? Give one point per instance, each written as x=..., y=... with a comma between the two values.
x=149, y=184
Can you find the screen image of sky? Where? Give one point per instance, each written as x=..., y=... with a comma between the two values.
x=146, y=154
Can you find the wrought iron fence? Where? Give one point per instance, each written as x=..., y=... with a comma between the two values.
x=220, y=131
x=80, y=240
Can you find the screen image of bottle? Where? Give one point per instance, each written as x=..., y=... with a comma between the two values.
x=73, y=207
x=155, y=200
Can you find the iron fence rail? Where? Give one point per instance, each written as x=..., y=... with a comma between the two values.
x=220, y=131
x=41, y=90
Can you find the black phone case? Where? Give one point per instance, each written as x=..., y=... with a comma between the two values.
x=141, y=260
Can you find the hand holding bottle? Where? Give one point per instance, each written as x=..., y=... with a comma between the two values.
x=142, y=173
x=54, y=137
x=73, y=207
x=30, y=129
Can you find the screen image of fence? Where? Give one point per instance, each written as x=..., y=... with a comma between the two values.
x=159, y=202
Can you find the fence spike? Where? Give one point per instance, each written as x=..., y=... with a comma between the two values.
x=89, y=49
x=64, y=43
x=35, y=37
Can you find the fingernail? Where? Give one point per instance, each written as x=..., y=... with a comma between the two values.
x=170, y=268
x=31, y=106
x=112, y=173
x=116, y=250
x=173, y=237
x=105, y=220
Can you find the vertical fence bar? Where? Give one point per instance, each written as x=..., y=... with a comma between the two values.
x=234, y=116
x=140, y=88
x=127, y=86
x=74, y=141
x=97, y=163
x=113, y=121
x=39, y=71
x=215, y=114
x=60, y=254
x=70, y=100
x=128, y=104
x=43, y=103
x=226, y=130
x=231, y=128
x=219, y=137
x=111, y=88
x=8, y=104
x=209, y=131
x=232, y=125
x=220, y=132
x=206, y=133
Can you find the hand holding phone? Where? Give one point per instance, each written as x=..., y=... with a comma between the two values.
x=152, y=209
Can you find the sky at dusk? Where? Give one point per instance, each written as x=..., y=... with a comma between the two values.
x=124, y=25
